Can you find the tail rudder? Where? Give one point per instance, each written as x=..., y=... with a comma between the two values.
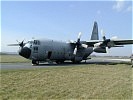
x=95, y=35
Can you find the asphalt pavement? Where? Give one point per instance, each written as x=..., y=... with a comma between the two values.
x=67, y=63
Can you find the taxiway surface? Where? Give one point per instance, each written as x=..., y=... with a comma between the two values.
x=67, y=63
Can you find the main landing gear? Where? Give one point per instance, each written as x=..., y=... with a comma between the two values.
x=75, y=62
x=60, y=62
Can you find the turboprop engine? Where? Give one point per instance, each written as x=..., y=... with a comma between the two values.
x=102, y=47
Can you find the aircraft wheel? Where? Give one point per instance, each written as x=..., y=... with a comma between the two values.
x=76, y=62
x=59, y=62
x=34, y=62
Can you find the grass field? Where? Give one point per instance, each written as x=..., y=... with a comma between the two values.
x=13, y=59
x=79, y=82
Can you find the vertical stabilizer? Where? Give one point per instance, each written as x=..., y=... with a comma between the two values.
x=94, y=35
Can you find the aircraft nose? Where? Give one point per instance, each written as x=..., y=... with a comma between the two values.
x=25, y=52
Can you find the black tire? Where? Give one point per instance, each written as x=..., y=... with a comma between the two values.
x=60, y=62
x=34, y=62
x=75, y=62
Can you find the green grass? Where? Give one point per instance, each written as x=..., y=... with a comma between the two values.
x=13, y=59
x=79, y=82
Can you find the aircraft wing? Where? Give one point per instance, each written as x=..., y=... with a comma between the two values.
x=122, y=42
x=115, y=43
x=107, y=43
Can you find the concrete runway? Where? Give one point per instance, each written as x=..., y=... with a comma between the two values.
x=102, y=61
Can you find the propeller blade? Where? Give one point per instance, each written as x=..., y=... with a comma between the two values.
x=102, y=32
x=75, y=50
x=77, y=44
x=17, y=41
x=114, y=38
x=21, y=44
x=103, y=35
x=84, y=45
x=13, y=44
x=79, y=36
x=107, y=50
x=71, y=41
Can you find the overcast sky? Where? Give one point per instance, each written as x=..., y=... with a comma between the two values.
x=64, y=20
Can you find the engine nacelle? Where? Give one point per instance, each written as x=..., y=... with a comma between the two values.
x=100, y=49
x=98, y=44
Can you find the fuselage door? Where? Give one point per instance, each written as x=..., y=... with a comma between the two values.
x=49, y=54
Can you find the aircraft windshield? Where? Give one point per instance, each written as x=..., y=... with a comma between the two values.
x=30, y=42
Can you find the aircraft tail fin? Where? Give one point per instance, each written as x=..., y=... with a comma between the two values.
x=95, y=35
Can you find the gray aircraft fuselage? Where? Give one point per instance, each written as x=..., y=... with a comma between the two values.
x=58, y=51
x=44, y=50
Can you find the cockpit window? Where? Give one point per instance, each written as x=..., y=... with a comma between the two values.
x=36, y=42
x=30, y=42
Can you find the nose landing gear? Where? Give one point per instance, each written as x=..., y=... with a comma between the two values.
x=34, y=62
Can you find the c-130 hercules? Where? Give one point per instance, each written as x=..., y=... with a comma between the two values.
x=49, y=50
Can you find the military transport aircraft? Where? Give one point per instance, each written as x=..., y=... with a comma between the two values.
x=46, y=50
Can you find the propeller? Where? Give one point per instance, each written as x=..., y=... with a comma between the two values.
x=104, y=38
x=21, y=44
x=78, y=44
x=106, y=43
